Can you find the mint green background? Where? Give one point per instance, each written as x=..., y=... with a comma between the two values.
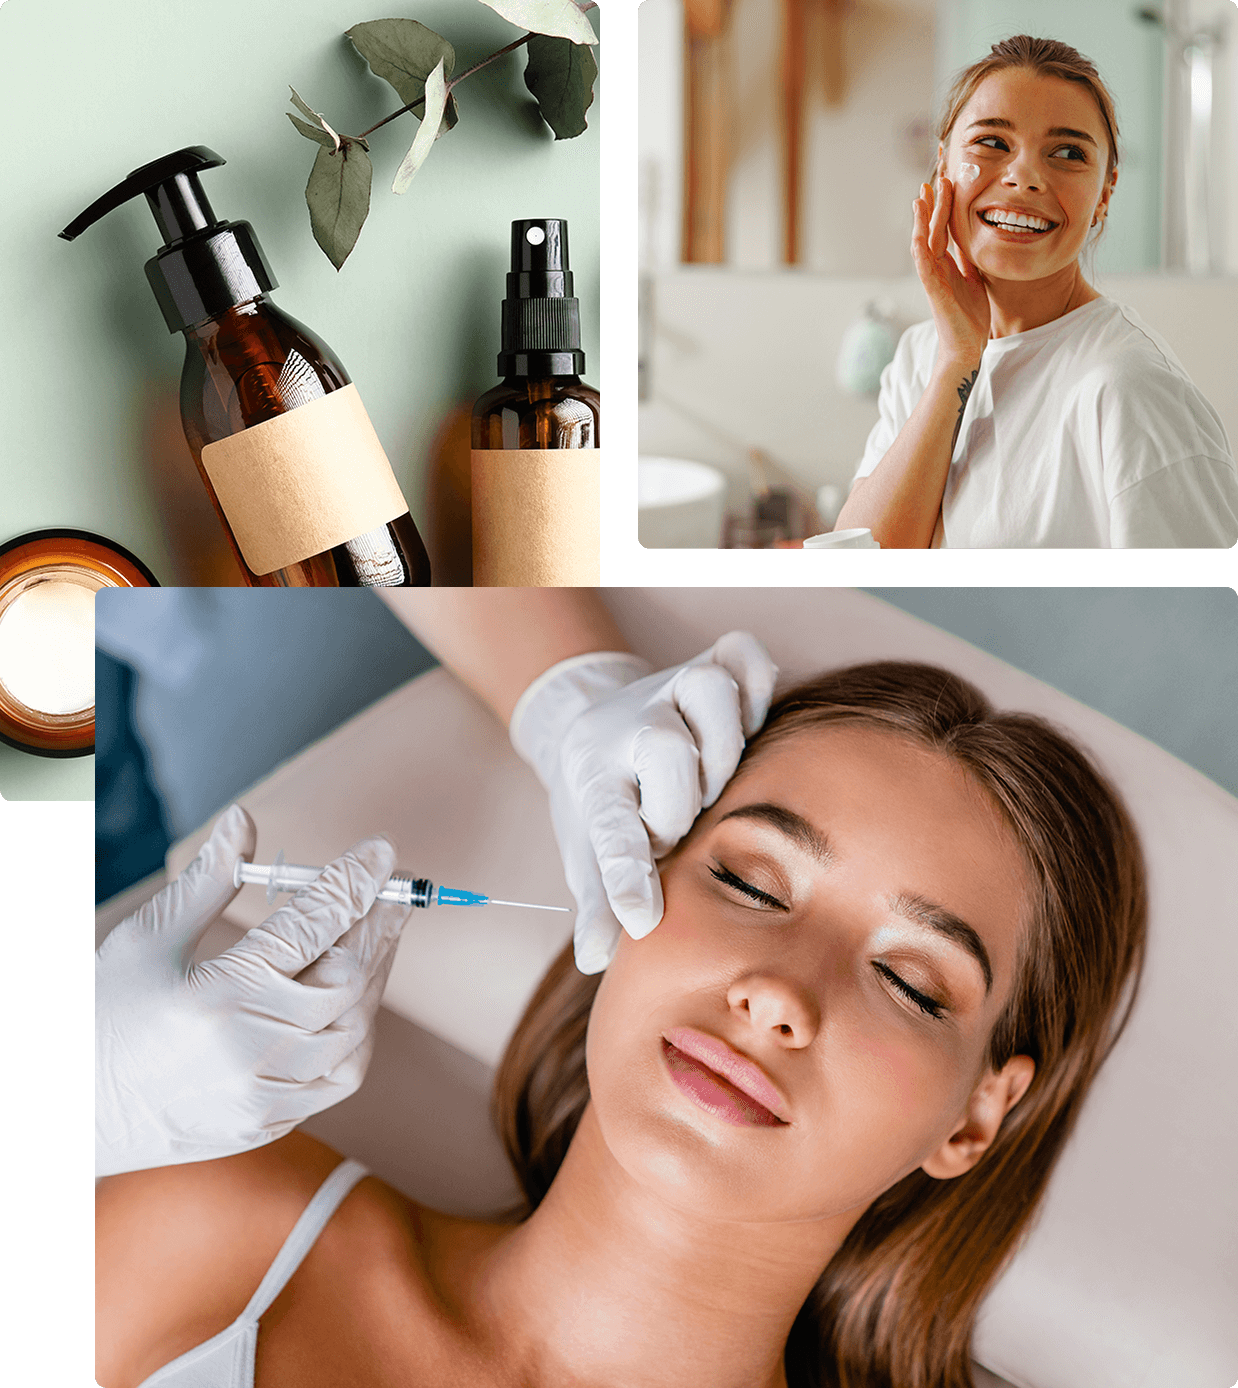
x=1128, y=54
x=90, y=90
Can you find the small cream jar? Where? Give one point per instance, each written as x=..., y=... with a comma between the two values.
x=48, y=581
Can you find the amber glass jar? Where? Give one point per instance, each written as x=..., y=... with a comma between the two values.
x=28, y=563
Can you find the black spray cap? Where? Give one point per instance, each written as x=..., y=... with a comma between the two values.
x=541, y=319
x=206, y=266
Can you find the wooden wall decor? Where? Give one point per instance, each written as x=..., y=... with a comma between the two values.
x=707, y=130
x=812, y=47
x=802, y=21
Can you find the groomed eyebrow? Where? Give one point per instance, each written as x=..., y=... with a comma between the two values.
x=1058, y=131
x=805, y=835
x=924, y=912
x=906, y=904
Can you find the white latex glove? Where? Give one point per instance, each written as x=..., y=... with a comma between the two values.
x=195, y=1061
x=630, y=759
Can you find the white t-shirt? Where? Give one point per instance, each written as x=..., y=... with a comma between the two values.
x=1083, y=432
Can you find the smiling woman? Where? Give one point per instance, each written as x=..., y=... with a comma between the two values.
x=894, y=954
x=1032, y=410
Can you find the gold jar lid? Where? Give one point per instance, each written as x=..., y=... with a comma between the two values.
x=48, y=579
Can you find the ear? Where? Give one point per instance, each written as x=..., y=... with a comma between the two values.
x=991, y=1100
x=1110, y=184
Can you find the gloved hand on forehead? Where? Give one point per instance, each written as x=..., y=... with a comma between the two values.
x=630, y=759
x=195, y=1061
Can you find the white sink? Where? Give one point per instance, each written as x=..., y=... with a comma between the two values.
x=681, y=504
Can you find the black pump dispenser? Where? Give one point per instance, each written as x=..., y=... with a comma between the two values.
x=303, y=506
x=206, y=266
x=541, y=319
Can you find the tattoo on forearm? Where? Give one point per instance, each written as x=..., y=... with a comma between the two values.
x=964, y=392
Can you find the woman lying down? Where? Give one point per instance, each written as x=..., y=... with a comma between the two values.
x=789, y=1137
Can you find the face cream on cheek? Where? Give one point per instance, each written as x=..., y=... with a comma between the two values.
x=969, y=173
x=47, y=647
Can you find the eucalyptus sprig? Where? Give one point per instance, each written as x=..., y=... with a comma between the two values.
x=418, y=63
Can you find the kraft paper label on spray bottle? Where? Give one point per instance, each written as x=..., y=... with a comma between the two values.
x=304, y=481
x=536, y=517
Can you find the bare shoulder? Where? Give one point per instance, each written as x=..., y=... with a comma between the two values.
x=181, y=1249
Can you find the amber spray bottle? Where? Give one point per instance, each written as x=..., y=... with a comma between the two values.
x=536, y=460
x=284, y=445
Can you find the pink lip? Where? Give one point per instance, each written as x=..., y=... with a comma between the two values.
x=722, y=1080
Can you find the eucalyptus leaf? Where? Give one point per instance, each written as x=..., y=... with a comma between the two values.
x=427, y=131
x=404, y=53
x=338, y=197
x=301, y=106
x=558, y=18
x=560, y=75
x=332, y=138
x=311, y=132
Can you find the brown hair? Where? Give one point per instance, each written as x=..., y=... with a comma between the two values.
x=1047, y=57
x=896, y=1305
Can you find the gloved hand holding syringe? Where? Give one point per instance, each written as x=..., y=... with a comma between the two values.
x=280, y=876
x=200, y=1059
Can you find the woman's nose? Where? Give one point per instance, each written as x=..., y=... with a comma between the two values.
x=1023, y=171
x=777, y=1008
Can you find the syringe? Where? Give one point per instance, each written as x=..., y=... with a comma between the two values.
x=280, y=876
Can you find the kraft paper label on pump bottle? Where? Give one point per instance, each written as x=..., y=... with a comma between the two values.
x=536, y=517
x=304, y=482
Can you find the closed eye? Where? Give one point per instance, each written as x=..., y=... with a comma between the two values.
x=729, y=879
x=924, y=1003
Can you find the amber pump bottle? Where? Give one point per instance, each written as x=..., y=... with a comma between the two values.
x=280, y=436
x=536, y=460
